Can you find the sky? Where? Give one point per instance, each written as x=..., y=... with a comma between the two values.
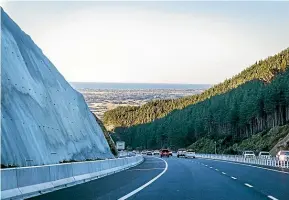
x=153, y=42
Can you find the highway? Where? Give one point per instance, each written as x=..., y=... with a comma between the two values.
x=179, y=178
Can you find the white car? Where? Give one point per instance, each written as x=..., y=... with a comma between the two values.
x=181, y=152
x=156, y=153
x=283, y=155
x=249, y=154
x=190, y=154
x=264, y=155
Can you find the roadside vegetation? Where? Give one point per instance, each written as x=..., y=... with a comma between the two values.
x=264, y=141
x=107, y=136
x=252, y=102
x=263, y=70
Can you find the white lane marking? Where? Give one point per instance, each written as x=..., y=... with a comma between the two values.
x=233, y=177
x=211, y=167
x=248, y=185
x=235, y=163
x=206, y=165
x=147, y=184
x=216, y=169
x=223, y=173
x=146, y=169
x=271, y=197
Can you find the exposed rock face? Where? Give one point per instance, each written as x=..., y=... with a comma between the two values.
x=44, y=120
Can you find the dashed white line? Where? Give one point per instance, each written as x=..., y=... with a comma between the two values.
x=271, y=197
x=248, y=185
x=216, y=169
x=248, y=165
x=206, y=165
x=145, y=185
x=211, y=167
x=233, y=177
x=223, y=173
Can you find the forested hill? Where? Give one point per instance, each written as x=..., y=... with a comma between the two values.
x=263, y=70
x=253, y=107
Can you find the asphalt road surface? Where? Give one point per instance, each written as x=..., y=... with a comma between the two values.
x=179, y=178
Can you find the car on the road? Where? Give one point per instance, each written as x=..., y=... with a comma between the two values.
x=181, y=153
x=144, y=153
x=156, y=153
x=264, y=155
x=170, y=153
x=149, y=153
x=283, y=155
x=190, y=154
x=165, y=153
x=249, y=154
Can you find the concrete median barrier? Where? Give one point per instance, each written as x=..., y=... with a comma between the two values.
x=25, y=182
x=34, y=180
x=9, y=186
x=61, y=175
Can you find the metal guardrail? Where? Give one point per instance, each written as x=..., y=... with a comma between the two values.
x=272, y=162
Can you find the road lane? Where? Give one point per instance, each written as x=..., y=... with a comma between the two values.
x=186, y=179
x=192, y=179
x=110, y=187
x=272, y=183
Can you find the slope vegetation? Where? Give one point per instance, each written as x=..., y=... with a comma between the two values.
x=263, y=70
x=252, y=107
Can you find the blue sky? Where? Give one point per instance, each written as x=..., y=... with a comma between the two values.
x=167, y=42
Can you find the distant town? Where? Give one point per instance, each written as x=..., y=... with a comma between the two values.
x=101, y=100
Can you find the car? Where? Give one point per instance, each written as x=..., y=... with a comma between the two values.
x=144, y=153
x=283, y=155
x=156, y=153
x=165, y=153
x=170, y=153
x=181, y=152
x=249, y=154
x=149, y=153
x=264, y=155
x=190, y=154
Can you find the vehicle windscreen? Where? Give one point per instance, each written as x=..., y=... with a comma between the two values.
x=265, y=154
x=249, y=152
x=165, y=151
x=285, y=153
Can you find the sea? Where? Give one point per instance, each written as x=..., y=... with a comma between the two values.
x=137, y=86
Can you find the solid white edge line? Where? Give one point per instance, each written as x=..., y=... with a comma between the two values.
x=223, y=173
x=236, y=163
x=271, y=197
x=147, y=184
x=233, y=177
x=248, y=185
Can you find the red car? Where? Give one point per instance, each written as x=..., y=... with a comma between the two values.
x=165, y=153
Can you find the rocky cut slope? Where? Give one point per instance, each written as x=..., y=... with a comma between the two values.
x=44, y=120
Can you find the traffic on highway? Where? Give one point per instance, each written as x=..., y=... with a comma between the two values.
x=190, y=176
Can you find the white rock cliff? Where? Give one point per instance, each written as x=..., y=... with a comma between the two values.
x=43, y=119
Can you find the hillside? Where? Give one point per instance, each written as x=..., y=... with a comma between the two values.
x=233, y=116
x=44, y=120
x=263, y=70
x=263, y=141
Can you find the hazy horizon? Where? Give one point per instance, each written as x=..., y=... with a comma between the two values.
x=153, y=42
